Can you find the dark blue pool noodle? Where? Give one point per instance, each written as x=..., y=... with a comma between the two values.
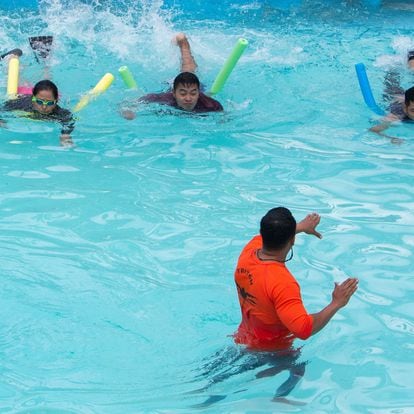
x=366, y=89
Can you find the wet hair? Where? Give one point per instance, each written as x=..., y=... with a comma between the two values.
x=277, y=227
x=46, y=85
x=409, y=96
x=186, y=78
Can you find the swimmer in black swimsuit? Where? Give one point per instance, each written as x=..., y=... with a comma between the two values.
x=401, y=102
x=42, y=104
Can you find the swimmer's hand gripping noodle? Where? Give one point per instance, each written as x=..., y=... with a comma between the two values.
x=366, y=89
x=127, y=77
x=100, y=88
x=229, y=66
x=13, y=78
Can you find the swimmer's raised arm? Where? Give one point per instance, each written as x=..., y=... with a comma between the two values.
x=188, y=63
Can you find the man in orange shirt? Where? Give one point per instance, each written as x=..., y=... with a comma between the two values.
x=272, y=309
x=271, y=305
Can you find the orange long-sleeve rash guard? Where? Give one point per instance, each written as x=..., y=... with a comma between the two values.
x=270, y=301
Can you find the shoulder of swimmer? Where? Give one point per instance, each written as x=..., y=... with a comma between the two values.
x=22, y=103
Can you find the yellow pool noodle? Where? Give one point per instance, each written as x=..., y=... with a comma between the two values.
x=99, y=88
x=13, y=78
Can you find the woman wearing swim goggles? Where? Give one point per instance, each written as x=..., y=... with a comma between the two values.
x=41, y=104
x=45, y=96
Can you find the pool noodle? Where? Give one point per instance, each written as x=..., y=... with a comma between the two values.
x=229, y=66
x=366, y=89
x=99, y=88
x=127, y=77
x=13, y=78
x=25, y=90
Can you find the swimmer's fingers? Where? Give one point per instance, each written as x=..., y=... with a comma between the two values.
x=397, y=141
x=66, y=140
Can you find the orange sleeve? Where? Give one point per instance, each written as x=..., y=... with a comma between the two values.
x=291, y=312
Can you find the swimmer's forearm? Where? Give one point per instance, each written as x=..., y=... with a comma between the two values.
x=378, y=130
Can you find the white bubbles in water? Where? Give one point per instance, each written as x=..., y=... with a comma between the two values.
x=401, y=45
x=120, y=30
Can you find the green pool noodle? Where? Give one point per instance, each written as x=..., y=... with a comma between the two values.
x=229, y=66
x=127, y=77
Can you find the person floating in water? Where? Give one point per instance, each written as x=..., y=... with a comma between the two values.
x=185, y=94
x=42, y=104
x=401, y=103
x=273, y=314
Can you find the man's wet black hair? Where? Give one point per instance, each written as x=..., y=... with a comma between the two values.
x=409, y=96
x=46, y=85
x=186, y=78
x=277, y=227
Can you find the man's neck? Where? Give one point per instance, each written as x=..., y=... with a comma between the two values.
x=275, y=255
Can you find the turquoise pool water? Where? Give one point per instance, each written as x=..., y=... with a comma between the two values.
x=117, y=255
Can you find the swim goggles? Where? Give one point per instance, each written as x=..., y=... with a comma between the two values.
x=43, y=102
x=410, y=55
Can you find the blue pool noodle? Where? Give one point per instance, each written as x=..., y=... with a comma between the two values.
x=366, y=89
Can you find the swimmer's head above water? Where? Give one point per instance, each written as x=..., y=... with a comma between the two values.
x=45, y=96
x=186, y=90
x=410, y=59
x=408, y=106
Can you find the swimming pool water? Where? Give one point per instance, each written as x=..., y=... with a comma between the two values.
x=117, y=255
